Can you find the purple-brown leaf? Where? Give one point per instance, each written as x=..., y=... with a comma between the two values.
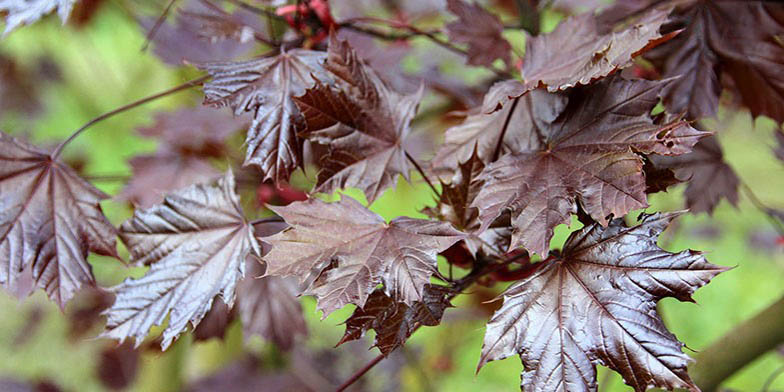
x=480, y=30
x=595, y=304
x=49, y=219
x=393, y=321
x=196, y=243
x=343, y=251
x=266, y=87
x=363, y=123
x=590, y=155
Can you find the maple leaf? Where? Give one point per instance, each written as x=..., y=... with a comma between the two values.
x=266, y=87
x=513, y=122
x=189, y=138
x=24, y=12
x=596, y=304
x=726, y=38
x=364, y=124
x=349, y=250
x=196, y=243
x=589, y=154
x=577, y=53
x=215, y=322
x=393, y=321
x=49, y=219
x=480, y=30
x=710, y=178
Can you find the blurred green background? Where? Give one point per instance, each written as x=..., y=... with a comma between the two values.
x=101, y=67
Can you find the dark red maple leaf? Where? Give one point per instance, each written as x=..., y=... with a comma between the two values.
x=363, y=123
x=739, y=39
x=596, y=304
x=590, y=155
x=343, y=251
x=196, y=243
x=480, y=30
x=266, y=87
x=49, y=219
x=393, y=321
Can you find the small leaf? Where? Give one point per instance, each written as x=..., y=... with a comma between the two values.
x=196, y=243
x=266, y=87
x=596, y=304
x=49, y=219
x=25, y=12
x=349, y=250
x=481, y=30
x=393, y=321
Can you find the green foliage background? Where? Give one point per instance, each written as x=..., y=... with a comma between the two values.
x=103, y=68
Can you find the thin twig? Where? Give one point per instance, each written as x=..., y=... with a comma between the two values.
x=500, y=142
x=123, y=108
x=257, y=10
x=773, y=377
x=769, y=212
x=157, y=25
x=361, y=372
x=422, y=172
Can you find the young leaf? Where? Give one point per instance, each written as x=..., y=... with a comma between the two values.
x=596, y=304
x=196, y=243
x=364, y=124
x=576, y=53
x=49, y=219
x=349, y=250
x=393, y=321
x=710, y=177
x=481, y=30
x=726, y=37
x=589, y=155
x=25, y=12
x=266, y=87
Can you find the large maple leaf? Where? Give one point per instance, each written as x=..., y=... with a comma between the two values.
x=196, y=243
x=24, y=12
x=346, y=250
x=267, y=87
x=363, y=122
x=596, y=304
x=49, y=219
x=590, y=155
x=577, y=53
x=481, y=31
x=394, y=321
x=741, y=39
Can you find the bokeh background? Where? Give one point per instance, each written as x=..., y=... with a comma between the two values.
x=53, y=79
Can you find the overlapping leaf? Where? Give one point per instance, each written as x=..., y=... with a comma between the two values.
x=393, y=321
x=577, y=53
x=739, y=39
x=24, y=12
x=266, y=87
x=343, y=250
x=596, y=304
x=480, y=30
x=363, y=122
x=196, y=243
x=49, y=219
x=588, y=155
x=710, y=177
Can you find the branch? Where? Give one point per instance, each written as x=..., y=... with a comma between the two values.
x=422, y=173
x=360, y=373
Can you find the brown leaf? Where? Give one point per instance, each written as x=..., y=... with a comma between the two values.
x=393, y=321
x=118, y=366
x=349, y=250
x=710, y=178
x=590, y=155
x=25, y=12
x=18, y=92
x=596, y=304
x=215, y=322
x=196, y=243
x=49, y=219
x=482, y=31
x=364, y=123
x=266, y=87
x=577, y=53
x=779, y=150
x=741, y=39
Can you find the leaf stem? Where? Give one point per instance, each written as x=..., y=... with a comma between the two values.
x=361, y=372
x=769, y=212
x=500, y=142
x=123, y=108
x=422, y=172
x=157, y=25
